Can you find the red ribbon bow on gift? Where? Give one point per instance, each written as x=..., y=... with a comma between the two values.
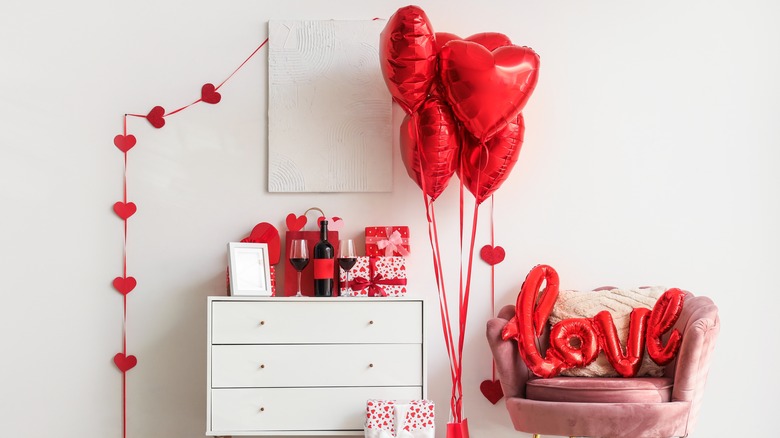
x=393, y=243
x=374, y=283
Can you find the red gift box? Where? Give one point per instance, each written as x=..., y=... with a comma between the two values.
x=375, y=276
x=387, y=241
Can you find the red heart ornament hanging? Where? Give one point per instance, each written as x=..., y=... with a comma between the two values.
x=124, y=142
x=430, y=150
x=156, y=117
x=295, y=223
x=124, y=209
x=492, y=255
x=407, y=56
x=484, y=167
x=487, y=89
x=209, y=94
x=125, y=363
x=492, y=390
x=124, y=285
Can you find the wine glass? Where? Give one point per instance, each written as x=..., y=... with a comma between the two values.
x=347, y=257
x=299, y=258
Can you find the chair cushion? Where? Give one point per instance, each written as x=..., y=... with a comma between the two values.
x=601, y=389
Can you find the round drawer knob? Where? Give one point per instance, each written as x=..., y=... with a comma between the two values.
x=262, y=322
x=262, y=365
x=371, y=365
x=370, y=322
x=262, y=409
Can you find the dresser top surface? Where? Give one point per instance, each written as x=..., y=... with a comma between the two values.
x=315, y=299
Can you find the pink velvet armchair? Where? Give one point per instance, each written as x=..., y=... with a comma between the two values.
x=639, y=407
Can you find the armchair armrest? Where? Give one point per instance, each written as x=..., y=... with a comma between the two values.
x=512, y=371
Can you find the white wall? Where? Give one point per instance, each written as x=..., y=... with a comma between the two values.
x=650, y=155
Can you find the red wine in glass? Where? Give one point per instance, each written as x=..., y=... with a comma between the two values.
x=347, y=257
x=299, y=258
x=299, y=263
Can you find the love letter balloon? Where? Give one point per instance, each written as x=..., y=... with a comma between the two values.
x=666, y=312
x=487, y=89
x=407, y=56
x=486, y=166
x=430, y=146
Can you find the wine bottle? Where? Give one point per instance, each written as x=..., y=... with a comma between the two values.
x=323, y=264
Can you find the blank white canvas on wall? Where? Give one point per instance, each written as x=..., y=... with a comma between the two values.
x=329, y=111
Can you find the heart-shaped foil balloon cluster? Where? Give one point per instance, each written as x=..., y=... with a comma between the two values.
x=463, y=98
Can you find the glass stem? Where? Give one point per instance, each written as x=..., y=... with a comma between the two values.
x=299, y=282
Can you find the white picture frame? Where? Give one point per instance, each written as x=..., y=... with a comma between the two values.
x=250, y=272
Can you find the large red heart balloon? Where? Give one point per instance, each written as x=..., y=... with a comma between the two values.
x=484, y=167
x=430, y=146
x=490, y=40
x=407, y=55
x=485, y=89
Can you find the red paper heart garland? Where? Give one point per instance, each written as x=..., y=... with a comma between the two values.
x=492, y=391
x=156, y=117
x=124, y=209
x=492, y=255
x=124, y=285
x=124, y=142
x=125, y=363
x=209, y=94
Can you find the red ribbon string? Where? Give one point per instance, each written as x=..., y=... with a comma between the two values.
x=492, y=278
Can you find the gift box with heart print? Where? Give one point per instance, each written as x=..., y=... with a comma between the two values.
x=374, y=277
x=387, y=241
x=400, y=419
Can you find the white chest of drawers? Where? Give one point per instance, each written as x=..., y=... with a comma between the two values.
x=306, y=366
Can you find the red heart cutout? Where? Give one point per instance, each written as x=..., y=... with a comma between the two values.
x=124, y=285
x=124, y=210
x=125, y=363
x=209, y=94
x=334, y=224
x=486, y=89
x=492, y=391
x=124, y=142
x=295, y=223
x=492, y=255
x=268, y=234
x=156, y=117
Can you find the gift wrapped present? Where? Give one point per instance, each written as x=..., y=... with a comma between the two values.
x=374, y=277
x=399, y=419
x=387, y=241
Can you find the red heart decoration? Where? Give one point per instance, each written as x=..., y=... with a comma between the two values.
x=485, y=166
x=486, y=89
x=124, y=285
x=334, y=224
x=492, y=255
x=268, y=234
x=125, y=363
x=156, y=117
x=295, y=223
x=492, y=391
x=124, y=210
x=430, y=147
x=124, y=142
x=209, y=94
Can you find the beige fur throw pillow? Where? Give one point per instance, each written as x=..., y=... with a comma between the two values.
x=619, y=303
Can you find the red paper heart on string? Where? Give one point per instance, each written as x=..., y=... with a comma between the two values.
x=492, y=391
x=124, y=142
x=156, y=117
x=268, y=234
x=124, y=285
x=334, y=224
x=492, y=255
x=295, y=223
x=486, y=89
x=124, y=210
x=209, y=94
x=125, y=363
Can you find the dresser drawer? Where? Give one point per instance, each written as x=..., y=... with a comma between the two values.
x=331, y=320
x=316, y=365
x=297, y=409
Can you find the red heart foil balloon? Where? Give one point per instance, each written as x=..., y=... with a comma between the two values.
x=430, y=150
x=489, y=40
x=492, y=390
x=485, y=167
x=124, y=142
x=209, y=94
x=124, y=209
x=485, y=89
x=124, y=285
x=407, y=56
x=156, y=117
x=125, y=363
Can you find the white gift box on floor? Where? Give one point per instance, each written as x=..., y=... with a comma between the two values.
x=400, y=419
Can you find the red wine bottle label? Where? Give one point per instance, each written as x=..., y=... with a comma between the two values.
x=323, y=269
